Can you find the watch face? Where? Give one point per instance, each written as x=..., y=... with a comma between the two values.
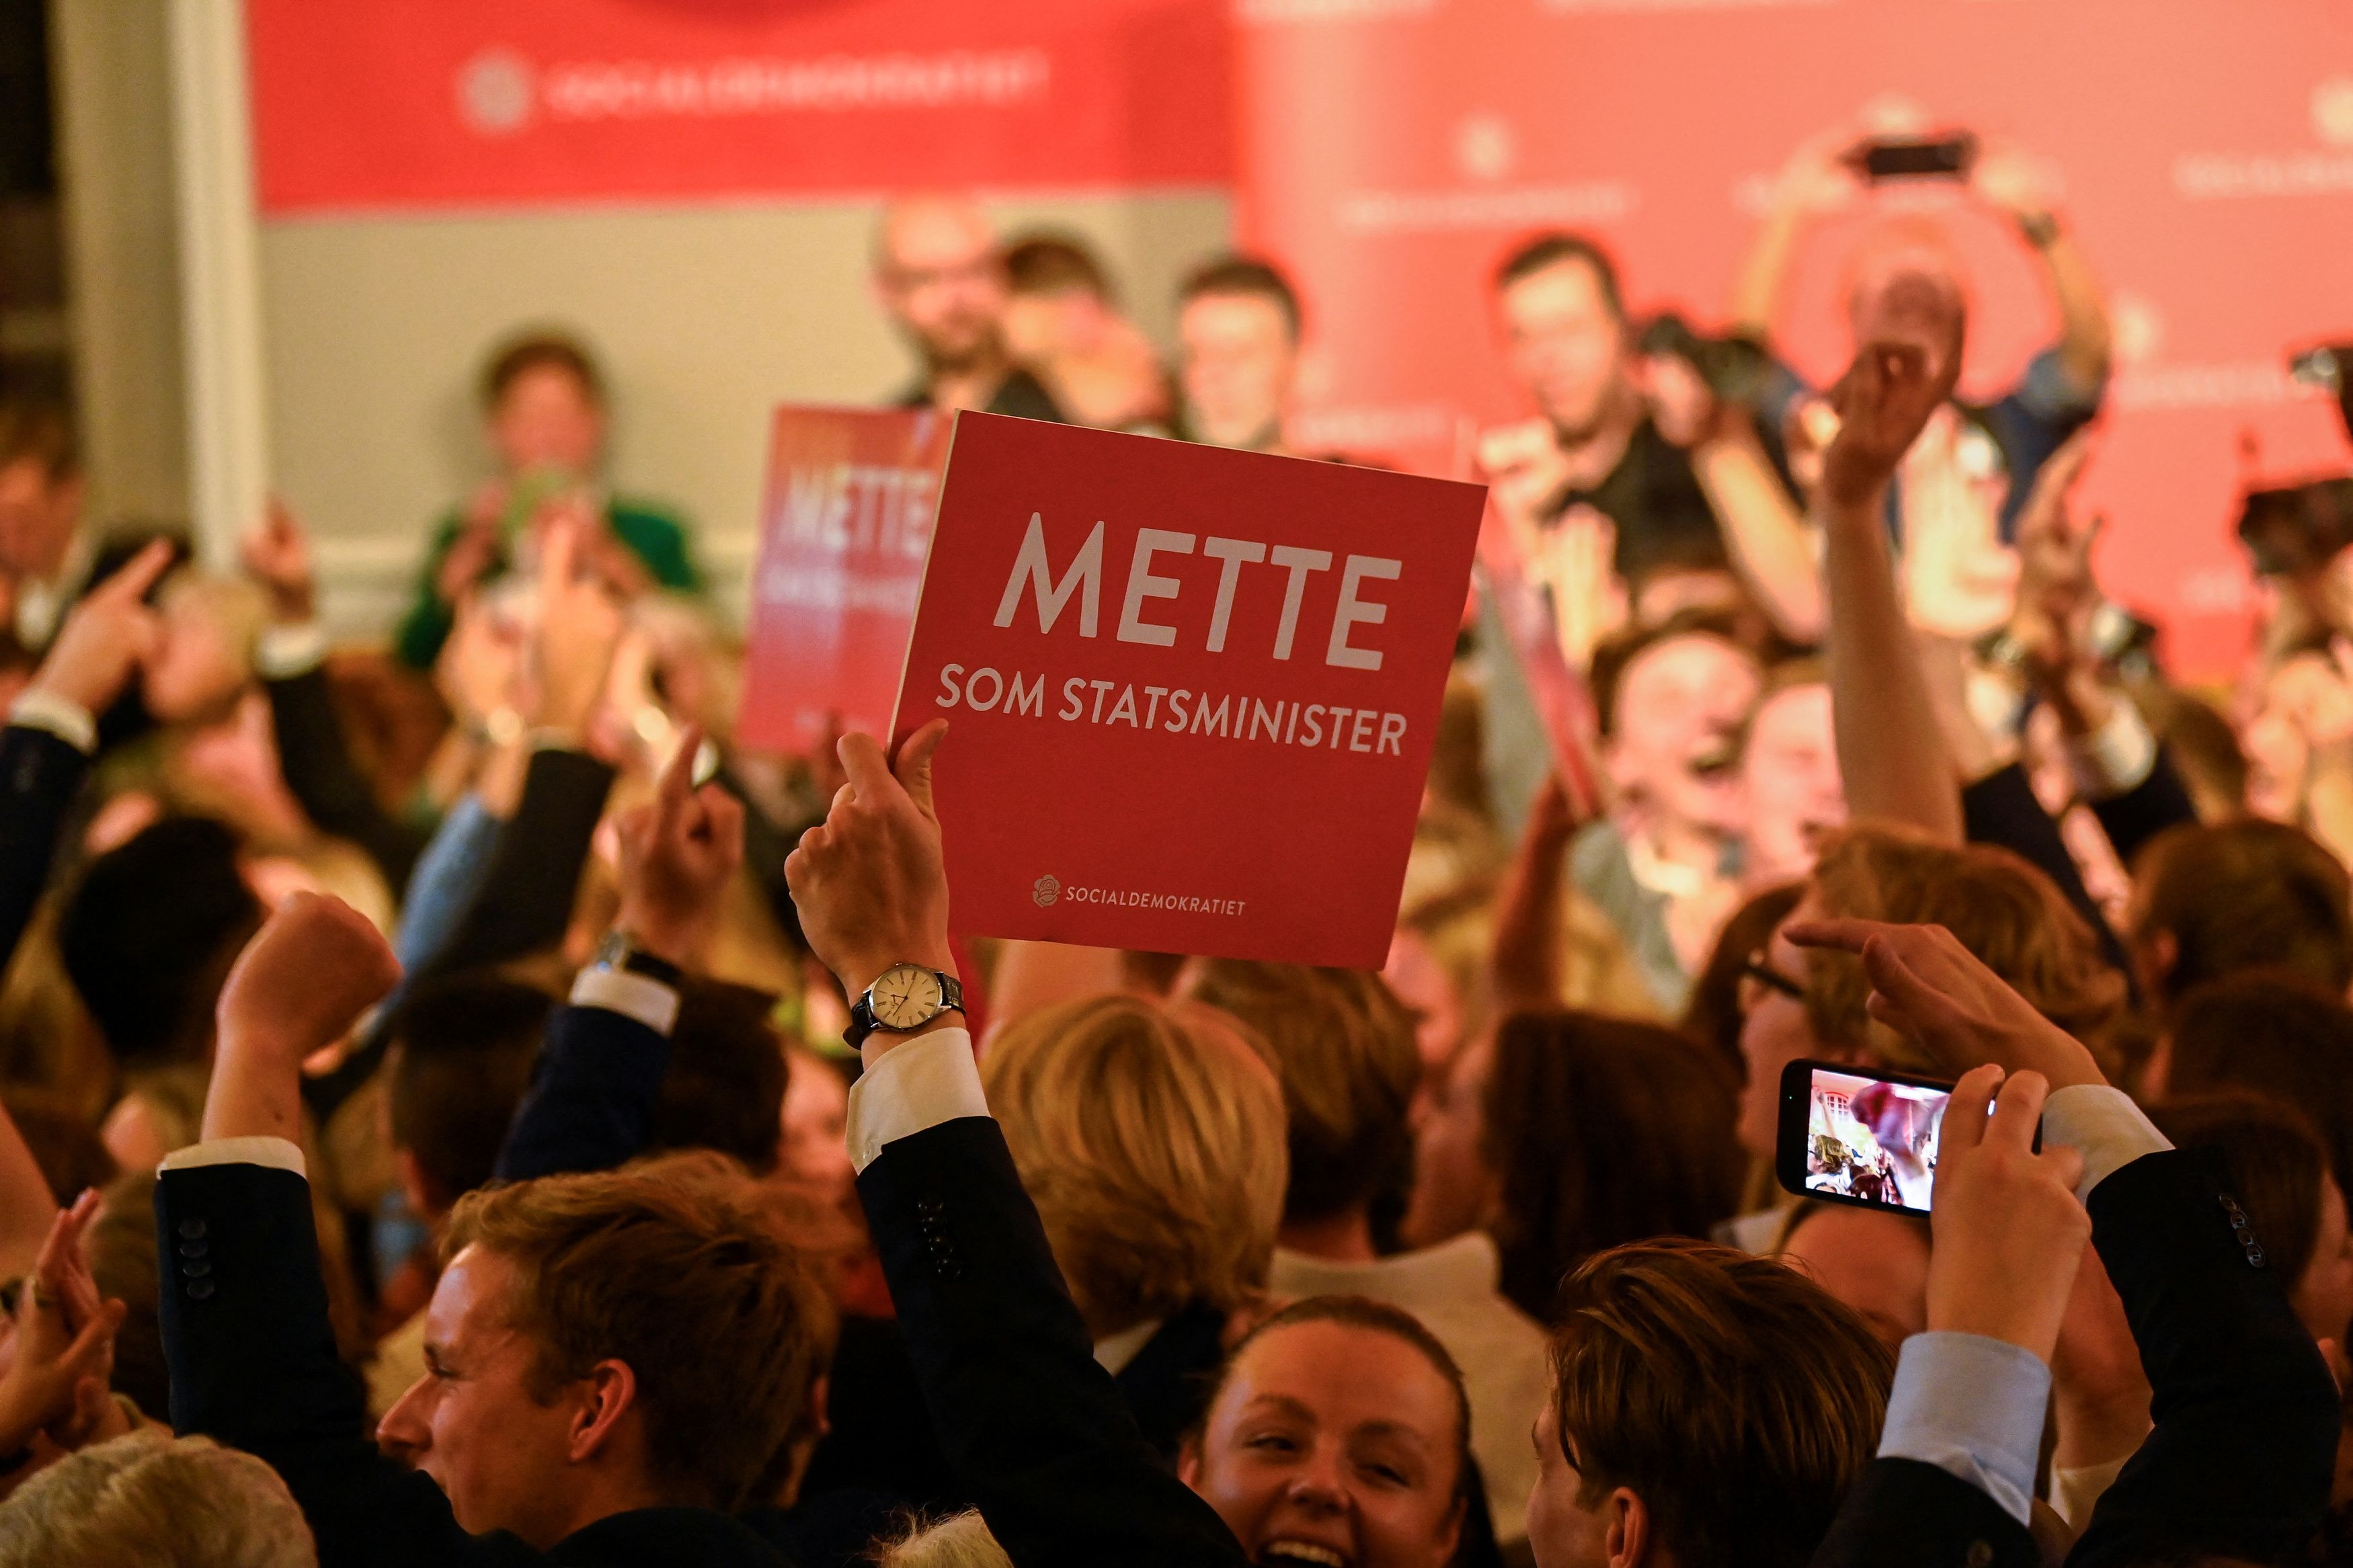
x=906, y=996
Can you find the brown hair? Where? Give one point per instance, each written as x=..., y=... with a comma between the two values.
x=2276, y=1164
x=2276, y=1036
x=540, y=351
x=1151, y=1139
x=1712, y=1017
x=2245, y=895
x=1603, y=1131
x=1618, y=654
x=1381, y=1318
x=1539, y=251
x=1250, y=276
x=42, y=430
x=1345, y=1048
x=464, y=1046
x=1733, y=1395
x=691, y=1282
x=2003, y=910
x=1052, y=263
x=724, y=1089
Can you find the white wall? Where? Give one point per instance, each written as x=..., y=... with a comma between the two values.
x=705, y=319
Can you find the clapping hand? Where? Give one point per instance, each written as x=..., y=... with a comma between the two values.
x=56, y=1386
x=1928, y=986
x=2010, y=1235
x=678, y=851
x=870, y=881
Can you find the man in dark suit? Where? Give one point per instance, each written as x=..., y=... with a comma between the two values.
x=2240, y=1462
x=617, y=1361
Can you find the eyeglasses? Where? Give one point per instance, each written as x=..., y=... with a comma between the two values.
x=1756, y=971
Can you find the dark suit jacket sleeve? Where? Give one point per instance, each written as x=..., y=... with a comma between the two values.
x=591, y=1103
x=2239, y=1463
x=526, y=899
x=39, y=774
x=2001, y=809
x=2149, y=808
x=1904, y=1513
x=1033, y=1428
x=253, y=1365
x=317, y=761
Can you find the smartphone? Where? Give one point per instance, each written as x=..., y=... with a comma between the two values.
x=1858, y=1135
x=1910, y=158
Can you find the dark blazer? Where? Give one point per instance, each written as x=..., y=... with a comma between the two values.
x=244, y=1317
x=2002, y=809
x=2149, y=808
x=1167, y=1385
x=590, y=1106
x=40, y=776
x=1033, y=1427
x=2239, y=1463
x=317, y=763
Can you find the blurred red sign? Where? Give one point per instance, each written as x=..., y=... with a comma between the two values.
x=1192, y=692
x=373, y=104
x=843, y=533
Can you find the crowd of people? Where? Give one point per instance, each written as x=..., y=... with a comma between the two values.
x=462, y=1107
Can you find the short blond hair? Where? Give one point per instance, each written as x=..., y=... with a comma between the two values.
x=960, y=1541
x=149, y=1497
x=1152, y=1139
x=2003, y=909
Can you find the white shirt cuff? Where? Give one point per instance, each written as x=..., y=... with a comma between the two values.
x=2102, y=1124
x=639, y=996
x=61, y=716
x=2115, y=758
x=276, y=1154
x=282, y=653
x=930, y=1079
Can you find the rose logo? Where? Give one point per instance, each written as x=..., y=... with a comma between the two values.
x=1045, y=889
x=494, y=92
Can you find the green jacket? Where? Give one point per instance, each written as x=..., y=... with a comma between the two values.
x=657, y=537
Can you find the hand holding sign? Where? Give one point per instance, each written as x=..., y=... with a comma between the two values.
x=870, y=881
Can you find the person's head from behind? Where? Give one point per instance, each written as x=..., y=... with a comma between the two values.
x=1789, y=771
x=960, y=1541
x=41, y=486
x=2267, y=1032
x=149, y=932
x=613, y=1341
x=1338, y=1432
x=938, y=272
x=462, y=1052
x=1568, y=1133
x=1673, y=701
x=1875, y=1261
x=1801, y=1002
x=1151, y=1139
x=2212, y=901
x=1563, y=326
x=544, y=405
x=2278, y=1167
x=724, y=1087
x=1346, y=1051
x=1238, y=328
x=1708, y=1408
x=149, y=1497
x=1903, y=279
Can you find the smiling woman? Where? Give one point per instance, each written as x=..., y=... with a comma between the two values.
x=1338, y=1436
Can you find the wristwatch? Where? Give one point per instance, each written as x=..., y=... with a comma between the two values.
x=902, y=999
x=620, y=951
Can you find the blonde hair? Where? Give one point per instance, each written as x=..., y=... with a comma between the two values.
x=961, y=1540
x=1152, y=1139
x=152, y=1497
x=2003, y=910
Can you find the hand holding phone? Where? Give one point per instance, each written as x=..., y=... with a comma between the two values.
x=1860, y=1135
x=2009, y=1234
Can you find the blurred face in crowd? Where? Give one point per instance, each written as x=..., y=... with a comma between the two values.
x=1240, y=363
x=1333, y=1444
x=1774, y=1032
x=1789, y=770
x=816, y=1148
x=506, y=1460
x=1566, y=346
x=1673, y=747
x=1904, y=284
x=1454, y=1187
x=546, y=419
x=2323, y=1299
x=198, y=661
x=939, y=275
x=39, y=514
x=1876, y=1263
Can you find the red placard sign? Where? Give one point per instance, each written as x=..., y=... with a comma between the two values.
x=1192, y=692
x=843, y=533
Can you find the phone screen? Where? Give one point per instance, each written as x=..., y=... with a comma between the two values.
x=1871, y=1139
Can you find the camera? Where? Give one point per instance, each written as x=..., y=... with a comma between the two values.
x=1947, y=157
x=1735, y=369
x=2325, y=368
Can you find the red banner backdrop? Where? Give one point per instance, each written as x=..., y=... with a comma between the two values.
x=373, y=104
x=1388, y=150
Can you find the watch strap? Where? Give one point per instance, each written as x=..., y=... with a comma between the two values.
x=619, y=951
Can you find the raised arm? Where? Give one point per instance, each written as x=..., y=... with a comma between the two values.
x=1816, y=180
x=1770, y=544
x=1891, y=750
x=1032, y=1425
x=2016, y=184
